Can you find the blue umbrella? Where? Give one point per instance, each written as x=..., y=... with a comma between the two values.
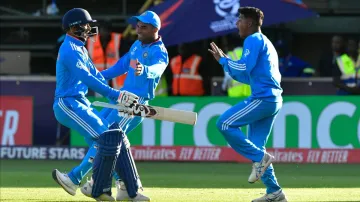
x=190, y=20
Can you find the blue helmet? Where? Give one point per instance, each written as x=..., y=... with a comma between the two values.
x=77, y=17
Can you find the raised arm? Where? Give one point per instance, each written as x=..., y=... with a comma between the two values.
x=237, y=69
x=120, y=68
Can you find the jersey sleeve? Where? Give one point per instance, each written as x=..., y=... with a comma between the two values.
x=159, y=62
x=77, y=66
x=252, y=47
x=244, y=78
x=120, y=68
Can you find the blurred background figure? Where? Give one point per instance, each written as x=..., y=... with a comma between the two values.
x=353, y=49
x=290, y=65
x=345, y=70
x=104, y=49
x=51, y=9
x=188, y=70
x=328, y=59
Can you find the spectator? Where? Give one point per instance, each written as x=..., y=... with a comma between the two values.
x=290, y=65
x=357, y=66
x=188, y=69
x=104, y=50
x=352, y=49
x=328, y=60
x=358, y=59
x=345, y=70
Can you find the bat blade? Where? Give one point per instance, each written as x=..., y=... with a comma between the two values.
x=157, y=113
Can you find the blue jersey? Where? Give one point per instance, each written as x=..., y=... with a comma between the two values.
x=153, y=57
x=258, y=67
x=75, y=72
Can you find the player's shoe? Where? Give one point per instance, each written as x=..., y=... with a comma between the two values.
x=87, y=189
x=252, y=177
x=122, y=194
x=65, y=182
x=260, y=167
x=277, y=196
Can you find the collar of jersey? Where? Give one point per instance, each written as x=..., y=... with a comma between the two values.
x=155, y=42
x=75, y=40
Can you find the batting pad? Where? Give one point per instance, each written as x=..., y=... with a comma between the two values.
x=126, y=169
x=109, y=147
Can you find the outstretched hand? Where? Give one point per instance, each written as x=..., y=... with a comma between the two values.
x=216, y=51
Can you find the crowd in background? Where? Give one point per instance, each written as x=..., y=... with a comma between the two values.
x=334, y=60
x=194, y=57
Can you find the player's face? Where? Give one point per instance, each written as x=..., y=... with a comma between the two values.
x=86, y=28
x=242, y=25
x=144, y=31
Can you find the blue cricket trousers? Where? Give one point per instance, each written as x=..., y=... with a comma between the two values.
x=77, y=114
x=260, y=116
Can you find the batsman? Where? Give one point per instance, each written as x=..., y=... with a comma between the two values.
x=144, y=64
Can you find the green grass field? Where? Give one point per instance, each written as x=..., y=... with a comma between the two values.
x=22, y=180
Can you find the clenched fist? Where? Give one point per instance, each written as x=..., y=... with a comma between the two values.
x=126, y=112
x=139, y=68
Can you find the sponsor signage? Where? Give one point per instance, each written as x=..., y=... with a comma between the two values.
x=16, y=120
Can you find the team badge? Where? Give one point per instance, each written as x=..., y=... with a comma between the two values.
x=145, y=54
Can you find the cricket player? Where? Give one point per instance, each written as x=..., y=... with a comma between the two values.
x=75, y=72
x=144, y=64
x=259, y=68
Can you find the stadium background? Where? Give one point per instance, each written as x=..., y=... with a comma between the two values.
x=316, y=137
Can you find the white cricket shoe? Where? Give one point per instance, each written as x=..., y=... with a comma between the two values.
x=260, y=167
x=122, y=194
x=277, y=196
x=65, y=182
x=87, y=189
x=252, y=177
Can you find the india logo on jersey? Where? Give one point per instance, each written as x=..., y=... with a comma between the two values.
x=145, y=54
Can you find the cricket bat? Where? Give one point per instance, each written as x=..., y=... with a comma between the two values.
x=157, y=113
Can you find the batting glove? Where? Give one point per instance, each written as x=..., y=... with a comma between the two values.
x=128, y=100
